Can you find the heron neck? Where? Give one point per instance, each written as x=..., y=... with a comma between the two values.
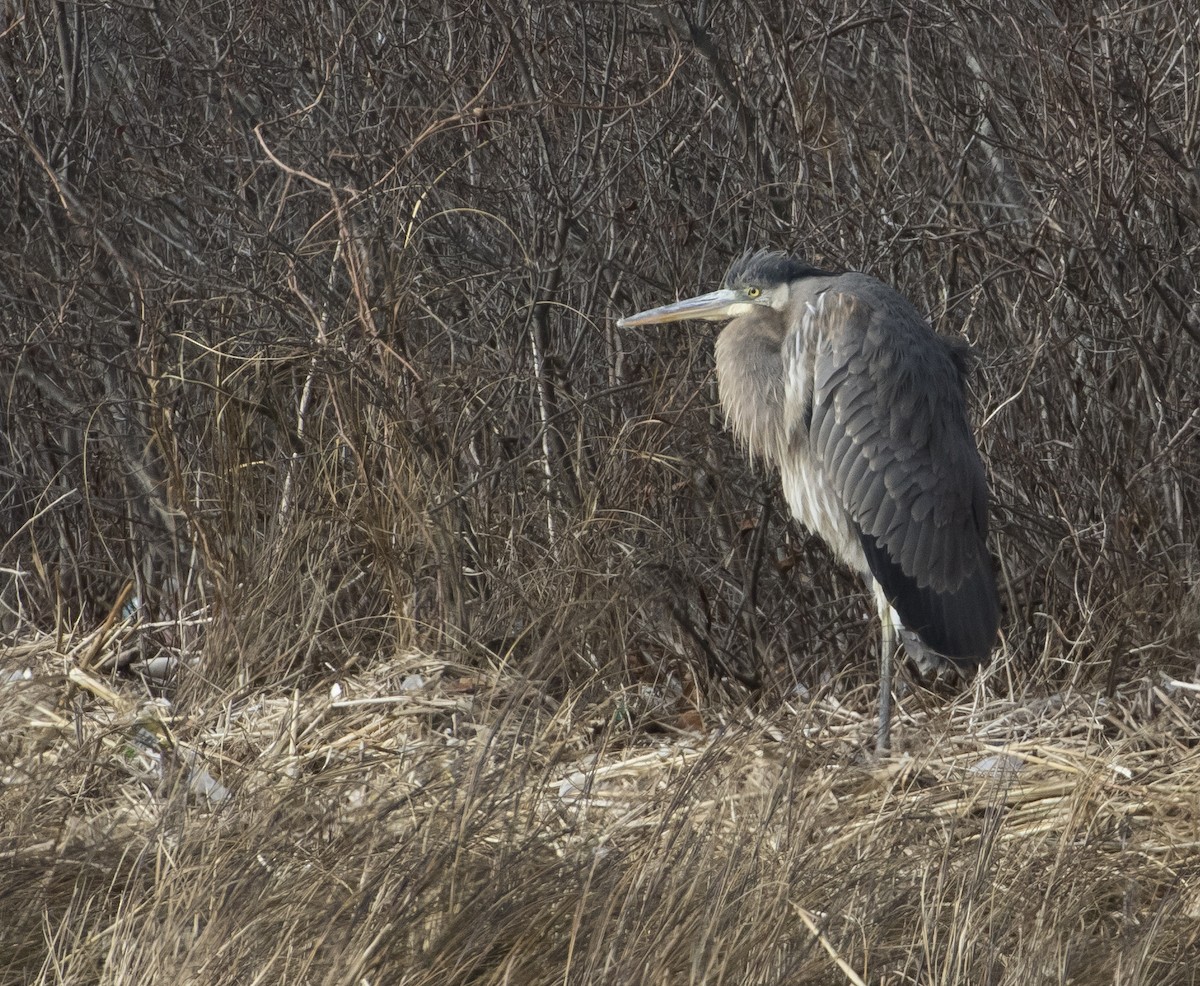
x=750, y=378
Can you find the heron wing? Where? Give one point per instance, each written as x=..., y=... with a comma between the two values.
x=889, y=426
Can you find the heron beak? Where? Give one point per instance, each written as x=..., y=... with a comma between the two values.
x=711, y=307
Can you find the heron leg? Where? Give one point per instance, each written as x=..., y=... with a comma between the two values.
x=887, y=661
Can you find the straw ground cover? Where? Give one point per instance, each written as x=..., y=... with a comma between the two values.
x=375, y=611
x=430, y=823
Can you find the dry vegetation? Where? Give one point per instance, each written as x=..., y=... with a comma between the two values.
x=375, y=611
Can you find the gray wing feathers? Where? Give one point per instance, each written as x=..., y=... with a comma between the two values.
x=890, y=427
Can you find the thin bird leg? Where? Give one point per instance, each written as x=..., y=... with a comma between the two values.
x=887, y=660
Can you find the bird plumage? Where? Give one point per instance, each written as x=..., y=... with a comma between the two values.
x=890, y=428
x=838, y=381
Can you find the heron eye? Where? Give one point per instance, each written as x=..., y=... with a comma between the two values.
x=753, y=292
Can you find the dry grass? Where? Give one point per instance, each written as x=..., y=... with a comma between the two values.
x=426, y=823
x=391, y=616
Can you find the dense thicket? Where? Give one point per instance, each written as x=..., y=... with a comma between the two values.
x=319, y=302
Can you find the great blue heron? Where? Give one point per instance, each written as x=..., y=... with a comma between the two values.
x=838, y=381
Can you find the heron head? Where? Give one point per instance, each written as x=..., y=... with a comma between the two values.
x=756, y=281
